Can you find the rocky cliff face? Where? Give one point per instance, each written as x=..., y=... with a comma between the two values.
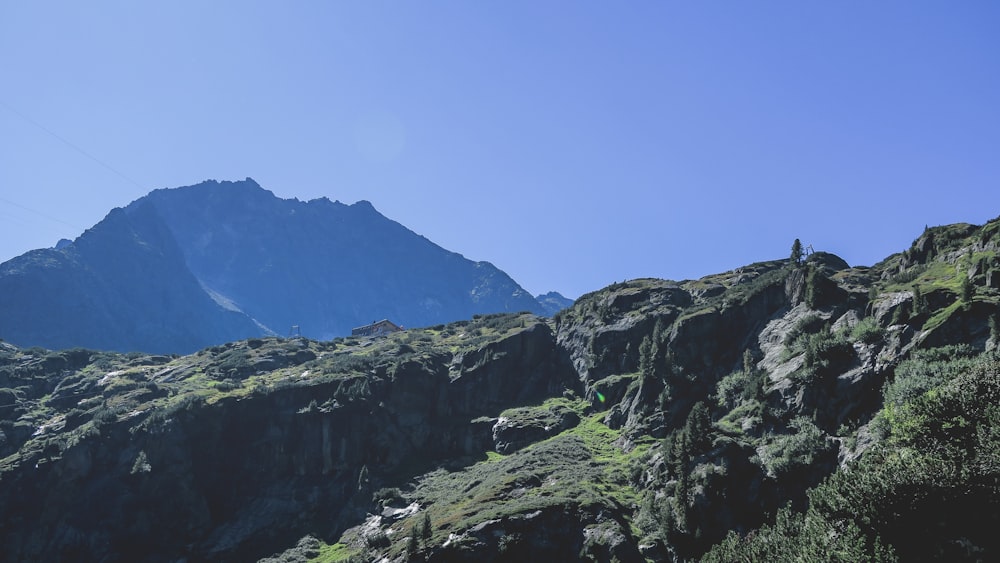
x=140, y=469
x=644, y=423
x=185, y=268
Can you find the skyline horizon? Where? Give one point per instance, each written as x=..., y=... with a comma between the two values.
x=535, y=292
x=570, y=145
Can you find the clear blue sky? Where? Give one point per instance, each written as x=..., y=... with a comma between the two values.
x=572, y=144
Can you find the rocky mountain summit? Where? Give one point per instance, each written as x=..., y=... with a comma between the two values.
x=785, y=411
x=185, y=268
x=553, y=302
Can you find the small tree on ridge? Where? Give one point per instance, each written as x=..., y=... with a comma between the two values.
x=797, y=252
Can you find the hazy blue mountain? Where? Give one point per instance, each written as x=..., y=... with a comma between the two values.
x=553, y=302
x=184, y=268
x=323, y=265
x=121, y=285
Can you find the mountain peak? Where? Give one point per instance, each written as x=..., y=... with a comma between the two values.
x=553, y=302
x=270, y=263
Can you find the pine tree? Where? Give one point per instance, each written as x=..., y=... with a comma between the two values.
x=759, y=394
x=796, y=257
x=669, y=453
x=698, y=428
x=411, y=543
x=967, y=292
x=682, y=453
x=919, y=303
x=682, y=491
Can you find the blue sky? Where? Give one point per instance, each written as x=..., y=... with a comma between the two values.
x=572, y=144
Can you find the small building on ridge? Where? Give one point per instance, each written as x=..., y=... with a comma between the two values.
x=379, y=328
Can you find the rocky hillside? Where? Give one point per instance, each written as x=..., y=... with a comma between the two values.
x=779, y=412
x=185, y=268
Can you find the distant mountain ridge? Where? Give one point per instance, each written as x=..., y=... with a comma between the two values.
x=121, y=285
x=184, y=268
x=553, y=302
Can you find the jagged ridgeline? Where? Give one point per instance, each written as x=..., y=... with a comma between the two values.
x=784, y=411
x=185, y=268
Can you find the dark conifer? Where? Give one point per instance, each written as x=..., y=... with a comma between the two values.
x=796, y=256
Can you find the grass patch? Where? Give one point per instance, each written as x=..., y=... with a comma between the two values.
x=335, y=553
x=941, y=316
x=582, y=466
x=732, y=422
x=867, y=331
x=696, y=313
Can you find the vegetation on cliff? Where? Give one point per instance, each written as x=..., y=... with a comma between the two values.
x=788, y=410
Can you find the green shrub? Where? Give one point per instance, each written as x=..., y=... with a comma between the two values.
x=228, y=384
x=141, y=464
x=105, y=416
x=933, y=479
x=387, y=495
x=349, y=363
x=926, y=370
x=825, y=352
x=235, y=364
x=908, y=275
x=806, y=325
x=867, y=331
x=796, y=537
x=787, y=452
x=377, y=540
x=731, y=389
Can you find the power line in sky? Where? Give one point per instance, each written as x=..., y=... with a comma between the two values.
x=70, y=144
x=40, y=213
